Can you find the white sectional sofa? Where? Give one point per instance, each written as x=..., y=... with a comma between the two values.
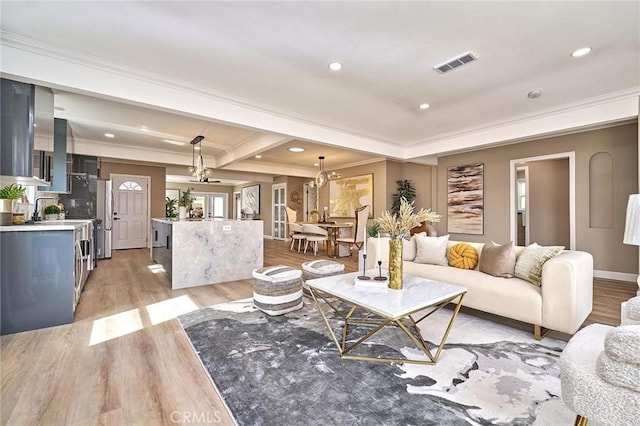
x=562, y=302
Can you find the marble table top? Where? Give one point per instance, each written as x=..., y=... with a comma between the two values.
x=417, y=293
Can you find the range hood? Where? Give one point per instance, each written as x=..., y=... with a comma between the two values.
x=17, y=118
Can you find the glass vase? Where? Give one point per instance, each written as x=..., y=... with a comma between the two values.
x=395, y=264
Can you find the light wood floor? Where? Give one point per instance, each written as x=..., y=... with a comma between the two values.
x=125, y=359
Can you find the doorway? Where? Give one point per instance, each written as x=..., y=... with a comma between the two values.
x=237, y=205
x=522, y=205
x=542, y=198
x=310, y=201
x=279, y=211
x=130, y=211
x=210, y=205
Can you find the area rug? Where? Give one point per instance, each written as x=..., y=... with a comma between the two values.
x=286, y=370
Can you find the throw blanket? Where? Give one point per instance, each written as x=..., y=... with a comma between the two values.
x=619, y=363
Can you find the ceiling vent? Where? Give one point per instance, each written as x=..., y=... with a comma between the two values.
x=455, y=63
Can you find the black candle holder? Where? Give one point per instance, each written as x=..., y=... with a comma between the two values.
x=364, y=268
x=380, y=277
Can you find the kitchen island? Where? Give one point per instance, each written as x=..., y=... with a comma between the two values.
x=209, y=251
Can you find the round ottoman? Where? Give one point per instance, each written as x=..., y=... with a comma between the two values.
x=277, y=289
x=319, y=269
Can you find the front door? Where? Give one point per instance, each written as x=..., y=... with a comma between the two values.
x=130, y=209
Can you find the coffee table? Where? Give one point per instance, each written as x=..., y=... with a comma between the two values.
x=385, y=308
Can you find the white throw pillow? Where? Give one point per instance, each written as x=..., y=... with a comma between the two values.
x=529, y=264
x=409, y=248
x=432, y=250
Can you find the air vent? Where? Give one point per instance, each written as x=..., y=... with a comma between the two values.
x=455, y=63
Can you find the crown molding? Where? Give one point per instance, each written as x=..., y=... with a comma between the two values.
x=599, y=111
x=632, y=92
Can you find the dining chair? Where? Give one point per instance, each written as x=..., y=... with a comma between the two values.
x=357, y=240
x=314, y=234
x=297, y=234
x=292, y=217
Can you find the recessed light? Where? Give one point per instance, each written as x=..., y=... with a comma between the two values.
x=581, y=52
x=424, y=106
x=110, y=135
x=534, y=94
x=296, y=149
x=335, y=66
x=258, y=156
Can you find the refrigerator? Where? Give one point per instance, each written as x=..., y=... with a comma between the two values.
x=104, y=215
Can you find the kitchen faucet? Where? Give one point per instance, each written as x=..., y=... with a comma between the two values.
x=36, y=216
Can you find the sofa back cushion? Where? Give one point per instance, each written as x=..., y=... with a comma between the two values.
x=409, y=248
x=432, y=250
x=498, y=260
x=530, y=263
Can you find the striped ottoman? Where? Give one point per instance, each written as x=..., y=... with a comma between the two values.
x=319, y=269
x=277, y=289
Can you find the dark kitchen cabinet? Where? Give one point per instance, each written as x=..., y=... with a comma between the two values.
x=36, y=280
x=16, y=128
x=80, y=200
x=161, y=251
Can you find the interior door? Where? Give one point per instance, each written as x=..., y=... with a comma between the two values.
x=130, y=217
x=279, y=212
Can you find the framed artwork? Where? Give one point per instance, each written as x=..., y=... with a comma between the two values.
x=465, y=199
x=348, y=194
x=251, y=199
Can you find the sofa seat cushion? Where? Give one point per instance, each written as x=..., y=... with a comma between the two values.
x=508, y=297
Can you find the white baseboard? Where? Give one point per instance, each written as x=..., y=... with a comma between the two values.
x=268, y=237
x=618, y=276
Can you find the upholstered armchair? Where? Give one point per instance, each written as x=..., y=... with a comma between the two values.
x=600, y=371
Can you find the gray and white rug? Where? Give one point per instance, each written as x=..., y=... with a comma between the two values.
x=286, y=371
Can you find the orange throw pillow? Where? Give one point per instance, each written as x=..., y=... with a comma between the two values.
x=463, y=256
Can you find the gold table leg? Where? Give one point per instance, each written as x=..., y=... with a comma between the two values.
x=411, y=329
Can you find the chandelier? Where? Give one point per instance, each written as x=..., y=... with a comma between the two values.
x=322, y=177
x=197, y=169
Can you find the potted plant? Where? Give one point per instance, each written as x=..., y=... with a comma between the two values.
x=8, y=195
x=404, y=190
x=51, y=212
x=184, y=201
x=170, y=208
x=373, y=230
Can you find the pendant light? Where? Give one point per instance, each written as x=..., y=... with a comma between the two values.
x=322, y=178
x=197, y=169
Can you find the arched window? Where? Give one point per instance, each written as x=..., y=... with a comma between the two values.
x=130, y=186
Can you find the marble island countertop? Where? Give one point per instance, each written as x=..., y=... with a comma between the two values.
x=209, y=251
x=199, y=220
x=47, y=225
